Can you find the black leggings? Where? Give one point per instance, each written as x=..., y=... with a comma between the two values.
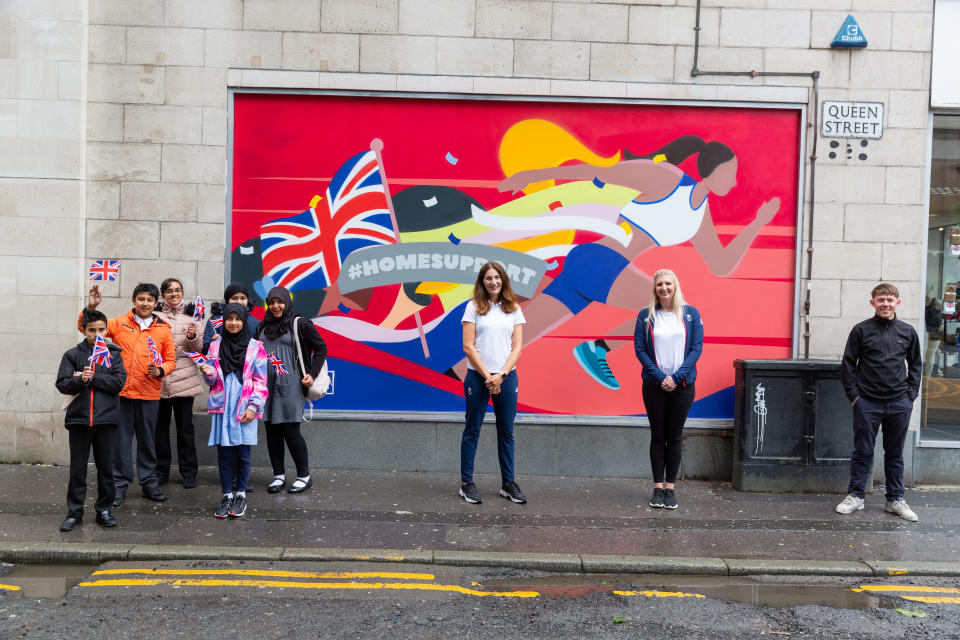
x=288, y=432
x=667, y=412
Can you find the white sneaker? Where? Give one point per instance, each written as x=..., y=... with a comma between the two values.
x=899, y=507
x=850, y=504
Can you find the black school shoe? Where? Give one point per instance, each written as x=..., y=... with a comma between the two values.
x=512, y=492
x=657, y=499
x=119, y=496
x=106, y=519
x=299, y=486
x=153, y=493
x=71, y=522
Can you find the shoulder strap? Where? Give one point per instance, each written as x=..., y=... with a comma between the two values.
x=296, y=343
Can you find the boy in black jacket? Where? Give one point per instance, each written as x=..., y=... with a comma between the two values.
x=880, y=373
x=91, y=419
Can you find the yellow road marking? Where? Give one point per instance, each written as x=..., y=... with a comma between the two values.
x=10, y=587
x=897, y=572
x=148, y=582
x=905, y=587
x=659, y=594
x=269, y=573
x=932, y=600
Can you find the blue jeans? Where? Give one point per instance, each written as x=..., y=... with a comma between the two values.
x=225, y=460
x=477, y=395
x=868, y=415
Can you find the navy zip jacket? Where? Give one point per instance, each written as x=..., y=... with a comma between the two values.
x=96, y=401
x=873, y=362
x=693, y=347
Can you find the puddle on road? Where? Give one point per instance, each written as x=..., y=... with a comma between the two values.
x=744, y=590
x=46, y=580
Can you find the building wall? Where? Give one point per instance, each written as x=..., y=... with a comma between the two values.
x=146, y=182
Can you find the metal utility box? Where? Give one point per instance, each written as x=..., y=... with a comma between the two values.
x=793, y=426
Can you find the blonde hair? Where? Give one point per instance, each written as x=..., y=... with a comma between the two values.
x=678, y=301
x=507, y=298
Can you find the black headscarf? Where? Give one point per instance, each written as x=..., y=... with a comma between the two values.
x=272, y=326
x=233, y=289
x=233, y=346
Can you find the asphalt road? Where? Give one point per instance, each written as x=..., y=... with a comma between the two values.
x=237, y=599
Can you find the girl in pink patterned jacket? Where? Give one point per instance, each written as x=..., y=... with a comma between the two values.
x=238, y=381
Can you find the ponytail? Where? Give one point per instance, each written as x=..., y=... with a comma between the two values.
x=710, y=155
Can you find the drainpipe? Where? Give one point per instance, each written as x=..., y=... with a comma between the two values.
x=815, y=77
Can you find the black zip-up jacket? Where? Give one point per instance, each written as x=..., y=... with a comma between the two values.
x=873, y=362
x=96, y=401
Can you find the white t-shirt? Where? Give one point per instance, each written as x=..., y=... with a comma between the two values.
x=494, y=337
x=669, y=340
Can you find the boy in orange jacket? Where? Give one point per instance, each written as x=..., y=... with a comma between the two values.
x=139, y=399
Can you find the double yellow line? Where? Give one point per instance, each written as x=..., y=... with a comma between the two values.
x=888, y=588
x=261, y=579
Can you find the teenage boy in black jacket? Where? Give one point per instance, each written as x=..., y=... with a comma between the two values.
x=882, y=391
x=91, y=419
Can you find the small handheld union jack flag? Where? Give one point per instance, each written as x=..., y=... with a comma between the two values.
x=155, y=356
x=100, y=354
x=278, y=367
x=217, y=322
x=105, y=270
x=198, y=310
x=196, y=356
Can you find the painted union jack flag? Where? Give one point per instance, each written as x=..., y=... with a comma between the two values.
x=198, y=309
x=217, y=322
x=100, y=354
x=105, y=270
x=277, y=363
x=196, y=356
x=155, y=356
x=307, y=250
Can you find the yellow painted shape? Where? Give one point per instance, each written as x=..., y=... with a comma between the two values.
x=933, y=600
x=314, y=200
x=897, y=572
x=905, y=587
x=436, y=288
x=660, y=594
x=282, y=584
x=10, y=587
x=657, y=159
x=564, y=236
x=538, y=144
x=271, y=573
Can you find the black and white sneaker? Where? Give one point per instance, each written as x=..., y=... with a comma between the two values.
x=238, y=507
x=511, y=491
x=657, y=499
x=469, y=493
x=223, y=509
x=669, y=499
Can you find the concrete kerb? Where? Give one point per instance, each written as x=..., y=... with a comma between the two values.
x=94, y=553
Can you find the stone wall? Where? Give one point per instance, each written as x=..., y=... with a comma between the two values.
x=152, y=83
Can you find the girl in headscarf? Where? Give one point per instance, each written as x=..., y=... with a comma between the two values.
x=284, y=408
x=235, y=292
x=238, y=381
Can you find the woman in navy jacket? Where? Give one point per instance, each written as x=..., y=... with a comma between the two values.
x=668, y=340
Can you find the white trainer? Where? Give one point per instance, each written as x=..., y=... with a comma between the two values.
x=899, y=507
x=850, y=504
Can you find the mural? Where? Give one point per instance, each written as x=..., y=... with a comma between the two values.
x=377, y=213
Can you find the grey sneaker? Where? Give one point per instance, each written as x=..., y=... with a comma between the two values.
x=657, y=499
x=850, y=504
x=669, y=499
x=469, y=493
x=512, y=492
x=899, y=507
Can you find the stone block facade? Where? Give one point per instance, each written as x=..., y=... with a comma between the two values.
x=114, y=128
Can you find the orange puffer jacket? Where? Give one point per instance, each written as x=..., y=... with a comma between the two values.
x=126, y=334
x=185, y=381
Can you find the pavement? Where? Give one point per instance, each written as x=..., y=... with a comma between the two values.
x=570, y=524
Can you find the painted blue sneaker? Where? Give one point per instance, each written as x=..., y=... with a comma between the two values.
x=592, y=356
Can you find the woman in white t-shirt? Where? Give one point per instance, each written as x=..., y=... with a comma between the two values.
x=668, y=340
x=492, y=337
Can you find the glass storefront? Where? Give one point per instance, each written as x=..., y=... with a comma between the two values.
x=940, y=418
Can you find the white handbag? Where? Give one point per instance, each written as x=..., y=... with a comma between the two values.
x=322, y=382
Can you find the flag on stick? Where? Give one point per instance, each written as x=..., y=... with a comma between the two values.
x=198, y=310
x=155, y=356
x=100, y=354
x=277, y=363
x=105, y=270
